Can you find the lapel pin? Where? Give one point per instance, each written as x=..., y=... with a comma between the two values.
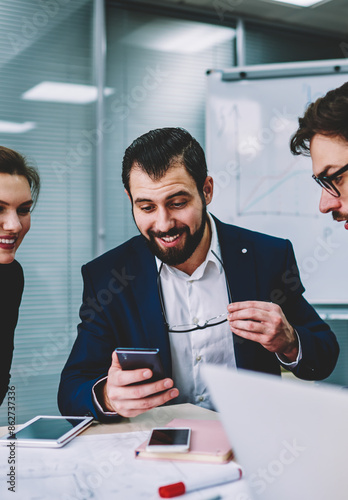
x=244, y=250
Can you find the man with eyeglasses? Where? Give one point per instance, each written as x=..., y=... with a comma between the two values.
x=181, y=286
x=323, y=133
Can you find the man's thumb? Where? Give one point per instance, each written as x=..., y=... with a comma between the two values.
x=115, y=363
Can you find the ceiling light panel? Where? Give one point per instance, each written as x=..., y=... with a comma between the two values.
x=16, y=128
x=299, y=3
x=178, y=36
x=68, y=93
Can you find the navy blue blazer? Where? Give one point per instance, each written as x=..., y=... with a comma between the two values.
x=121, y=307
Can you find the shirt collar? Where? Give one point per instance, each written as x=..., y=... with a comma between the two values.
x=214, y=246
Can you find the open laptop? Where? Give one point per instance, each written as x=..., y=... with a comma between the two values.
x=290, y=437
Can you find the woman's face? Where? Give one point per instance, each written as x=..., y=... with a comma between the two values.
x=15, y=204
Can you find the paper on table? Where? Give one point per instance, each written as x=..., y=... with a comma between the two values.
x=96, y=467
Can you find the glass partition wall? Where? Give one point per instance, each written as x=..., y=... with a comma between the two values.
x=45, y=67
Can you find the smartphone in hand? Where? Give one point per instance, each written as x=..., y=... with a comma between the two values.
x=131, y=358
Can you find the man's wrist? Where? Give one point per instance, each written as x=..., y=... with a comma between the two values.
x=105, y=401
x=289, y=357
x=291, y=352
x=101, y=397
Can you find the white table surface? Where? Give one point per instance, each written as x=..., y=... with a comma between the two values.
x=100, y=464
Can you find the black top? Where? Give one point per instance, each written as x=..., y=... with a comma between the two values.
x=11, y=289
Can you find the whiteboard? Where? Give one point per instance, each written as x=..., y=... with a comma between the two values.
x=259, y=184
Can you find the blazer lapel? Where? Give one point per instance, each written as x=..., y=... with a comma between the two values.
x=239, y=260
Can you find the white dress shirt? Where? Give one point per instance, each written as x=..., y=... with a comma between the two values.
x=194, y=300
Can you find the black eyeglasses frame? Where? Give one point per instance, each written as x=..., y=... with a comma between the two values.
x=326, y=181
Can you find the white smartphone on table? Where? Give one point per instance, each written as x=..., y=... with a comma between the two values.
x=169, y=439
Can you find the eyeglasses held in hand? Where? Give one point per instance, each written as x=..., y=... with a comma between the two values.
x=217, y=320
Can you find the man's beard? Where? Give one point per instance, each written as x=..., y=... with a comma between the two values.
x=339, y=215
x=175, y=256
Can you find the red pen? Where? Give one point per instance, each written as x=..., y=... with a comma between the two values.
x=177, y=489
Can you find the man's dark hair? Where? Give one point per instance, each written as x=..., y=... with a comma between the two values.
x=156, y=151
x=328, y=116
x=14, y=163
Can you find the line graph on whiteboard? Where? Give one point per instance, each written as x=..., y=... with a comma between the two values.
x=279, y=194
x=264, y=180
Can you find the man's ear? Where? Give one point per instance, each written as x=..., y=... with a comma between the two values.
x=129, y=195
x=208, y=188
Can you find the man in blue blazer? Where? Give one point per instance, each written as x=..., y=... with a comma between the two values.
x=183, y=285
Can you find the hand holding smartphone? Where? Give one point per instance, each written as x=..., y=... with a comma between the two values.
x=128, y=390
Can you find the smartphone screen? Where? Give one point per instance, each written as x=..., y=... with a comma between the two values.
x=169, y=439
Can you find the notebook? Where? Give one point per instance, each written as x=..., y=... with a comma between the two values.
x=290, y=437
x=209, y=443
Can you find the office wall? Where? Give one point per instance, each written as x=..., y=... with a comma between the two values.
x=271, y=44
x=152, y=88
x=340, y=374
